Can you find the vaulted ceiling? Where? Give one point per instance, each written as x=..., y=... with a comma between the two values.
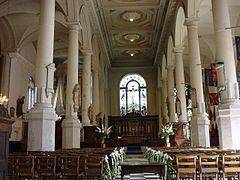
x=132, y=29
x=133, y=32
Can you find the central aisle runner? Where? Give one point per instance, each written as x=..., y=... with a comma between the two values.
x=138, y=176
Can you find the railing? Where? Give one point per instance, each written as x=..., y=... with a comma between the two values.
x=134, y=124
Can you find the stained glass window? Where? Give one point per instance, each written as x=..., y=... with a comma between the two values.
x=31, y=93
x=133, y=94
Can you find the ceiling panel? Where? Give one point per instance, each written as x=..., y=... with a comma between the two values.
x=132, y=29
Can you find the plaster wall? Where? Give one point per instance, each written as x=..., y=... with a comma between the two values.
x=20, y=72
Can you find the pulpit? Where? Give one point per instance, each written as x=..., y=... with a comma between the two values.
x=5, y=131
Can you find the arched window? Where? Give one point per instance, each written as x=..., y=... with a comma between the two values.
x=31, y=93
x=133, y=94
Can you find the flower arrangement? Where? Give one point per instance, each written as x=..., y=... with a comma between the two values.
x=103, y=132
x=167, y=130
x=153, y=155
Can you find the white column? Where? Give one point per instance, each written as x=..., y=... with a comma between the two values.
x=41, y=119
x=71, y=124
x=170, y=89
x=96, y=98
x=86, y=88
x=159, y=99
x=164, y=101
x=159, y=110
x=200, y=121
x=229, y=117
x=180, y=83
x=5, y=74
x=107, y=93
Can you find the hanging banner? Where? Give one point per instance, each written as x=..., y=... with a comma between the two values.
x=237, y=38
x=213, y=98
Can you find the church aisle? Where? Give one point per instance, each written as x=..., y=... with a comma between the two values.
x=138, y=176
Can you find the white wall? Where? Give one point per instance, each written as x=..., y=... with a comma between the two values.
x=20, y=71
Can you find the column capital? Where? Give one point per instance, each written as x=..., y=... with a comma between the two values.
x=170, y=67
x=192, y=22
x=86, y=52
x=74, y=25
x=178, y=49
x=164, y=79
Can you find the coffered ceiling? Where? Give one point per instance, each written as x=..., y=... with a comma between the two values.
x=132, y=29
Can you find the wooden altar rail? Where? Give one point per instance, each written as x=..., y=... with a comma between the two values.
x=133, y=124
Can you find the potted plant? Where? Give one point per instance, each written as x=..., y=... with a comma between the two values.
x=103, y=133
x=167, y=131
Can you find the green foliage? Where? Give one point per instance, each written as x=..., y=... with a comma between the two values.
x=158, y=156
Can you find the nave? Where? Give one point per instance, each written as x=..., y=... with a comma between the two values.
x=117, y=163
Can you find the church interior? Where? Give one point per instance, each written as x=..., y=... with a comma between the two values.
x=119, y=89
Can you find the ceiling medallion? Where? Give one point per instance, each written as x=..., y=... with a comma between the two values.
x=131, y=16
x=132, y=52
x=131, y=37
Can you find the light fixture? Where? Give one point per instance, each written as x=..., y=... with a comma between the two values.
x=131, y=15
x=3, y=100
x=132, y=52
x=131, y=37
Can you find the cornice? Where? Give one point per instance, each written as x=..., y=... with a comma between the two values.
x=98, y=28
x=169, y=14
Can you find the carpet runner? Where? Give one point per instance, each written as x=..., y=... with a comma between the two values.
x=134, y=149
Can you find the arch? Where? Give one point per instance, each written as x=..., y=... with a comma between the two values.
x=85, y=34
x=95, y=47
x=133, y=94
x=180, y=29
x=164, y=66
x=7, y=35
x=170, y=54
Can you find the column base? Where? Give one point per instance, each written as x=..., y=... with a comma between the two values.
x=86, y=123
x=200, y=130
x=71, y=128
x=228, y=122
x=41, y=128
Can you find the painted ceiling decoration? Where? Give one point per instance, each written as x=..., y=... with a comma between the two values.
x=132, y=29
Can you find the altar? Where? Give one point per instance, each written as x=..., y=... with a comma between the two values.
x=134, y=128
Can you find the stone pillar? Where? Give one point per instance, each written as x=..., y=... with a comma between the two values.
x=164, y=101
x=159, y=100
x=5, y=73
x=96, y=93
x=71, y=124
x=159, y=110
x=41, y=119
x=180, y=83
x=86, y=88
x=170, y=91
x=229, y=117
x=200, y=121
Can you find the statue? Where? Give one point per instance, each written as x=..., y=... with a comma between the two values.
x=17, y=128
x=100, y=118
x=75, y=93
x=12, y=112
x=90, y=113
x=20, y=102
